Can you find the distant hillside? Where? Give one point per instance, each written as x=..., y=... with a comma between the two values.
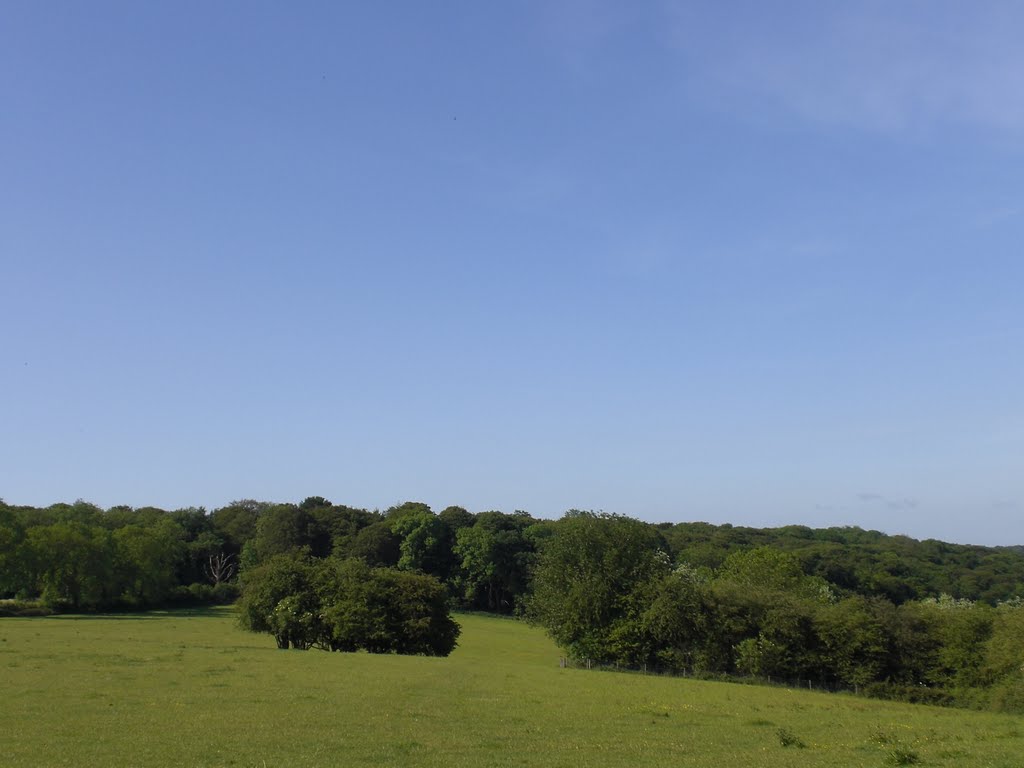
x=868, y=562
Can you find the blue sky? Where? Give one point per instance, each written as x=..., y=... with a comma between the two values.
x=683, y=261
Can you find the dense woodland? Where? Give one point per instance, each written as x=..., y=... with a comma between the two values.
x=80, y=557
x=842, y=607
x=608, y=592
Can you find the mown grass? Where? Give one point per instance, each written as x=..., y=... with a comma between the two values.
x=190, y=689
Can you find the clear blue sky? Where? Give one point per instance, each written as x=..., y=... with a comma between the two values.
x=737, y=262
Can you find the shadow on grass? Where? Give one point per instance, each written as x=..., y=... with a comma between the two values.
x=167, y=613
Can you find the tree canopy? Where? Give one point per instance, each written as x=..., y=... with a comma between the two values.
x=347, y=605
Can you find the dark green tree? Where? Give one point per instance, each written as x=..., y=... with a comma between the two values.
x=376, y=544
x=347, y=606
x=594, y=575
x=383, y=610
x=235, y=524
x=149, y=557
x=279, y=597
x=678, y=620
x=73, y=564
x=280, y=529
x=423, y=539
x=1003, y=665
x=13, y=576
x=855, y=645
x=495, y=556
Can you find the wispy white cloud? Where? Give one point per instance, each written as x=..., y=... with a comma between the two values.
x=896, y=504
x=879, y=66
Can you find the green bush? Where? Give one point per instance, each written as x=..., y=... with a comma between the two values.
x=225, y=593
x=789, y=739
x=911, y=694
x=23, y=608
x=200, y=593
x=1008, y=694
x=900, y=754
x=345, y=605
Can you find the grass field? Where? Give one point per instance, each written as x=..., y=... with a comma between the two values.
x=190, y=689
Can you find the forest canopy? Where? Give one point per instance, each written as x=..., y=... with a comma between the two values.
x=81, y=557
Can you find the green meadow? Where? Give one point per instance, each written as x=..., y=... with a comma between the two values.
x=191, y=689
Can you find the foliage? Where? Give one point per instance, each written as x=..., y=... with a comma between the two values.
x=280, y=529
x=73, y=564
x=600, y=593
x=346, y=605
x=789, y=739
x=871, y=563
x=148, y=555
x=376, y=544
x=266, y=587
x=12, y=552
x=846, y=608
x=592, y=580
x=423, y=537
x=495, y=556
x=900, y=754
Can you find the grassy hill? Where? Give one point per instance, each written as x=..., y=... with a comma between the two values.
x=190, y=689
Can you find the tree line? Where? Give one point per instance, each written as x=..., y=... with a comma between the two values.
x=81, y=557
x=869, y=563
x=607, y=590
x=887, y=615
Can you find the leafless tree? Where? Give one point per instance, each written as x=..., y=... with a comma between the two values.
x=220, y=567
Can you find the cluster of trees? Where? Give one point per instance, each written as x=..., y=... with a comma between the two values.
x=864, y=562
x=842, y=607
x=483, y=560
x=79, y=557
x=347, y=605
x=606, y=589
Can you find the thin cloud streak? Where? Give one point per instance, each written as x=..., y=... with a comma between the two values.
x=896, y=504
x=881, y=67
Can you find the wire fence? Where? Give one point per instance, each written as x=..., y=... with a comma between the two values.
x=803, y=683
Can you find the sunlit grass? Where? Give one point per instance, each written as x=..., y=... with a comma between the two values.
x=184, y=689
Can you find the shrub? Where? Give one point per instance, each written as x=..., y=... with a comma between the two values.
x=789, y=739
x=1008, y=694
x=23, y=608
x=200, y=593
x=347, y=606
x=900, y=754
x=225, y=593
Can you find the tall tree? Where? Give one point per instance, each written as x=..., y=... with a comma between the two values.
x=423, y=537
x=150, y=556
x=73, y=564
x=496, y=556
x=593, y=575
